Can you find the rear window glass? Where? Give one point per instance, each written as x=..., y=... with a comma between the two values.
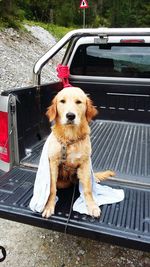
x=112, y=60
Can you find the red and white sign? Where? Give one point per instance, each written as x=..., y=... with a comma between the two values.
x=84, y=4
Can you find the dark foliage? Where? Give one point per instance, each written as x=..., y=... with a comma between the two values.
x=114, y=13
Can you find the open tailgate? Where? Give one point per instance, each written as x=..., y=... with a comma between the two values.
x=126, y=223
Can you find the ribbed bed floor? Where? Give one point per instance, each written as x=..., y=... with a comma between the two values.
x=122, y=147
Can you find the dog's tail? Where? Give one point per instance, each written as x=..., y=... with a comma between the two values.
x=100, y=176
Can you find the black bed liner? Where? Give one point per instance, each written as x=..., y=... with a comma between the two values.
x=126, y=223
x=120, y=146
x=124, y=147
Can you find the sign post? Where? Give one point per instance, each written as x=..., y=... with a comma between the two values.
x=84, y=5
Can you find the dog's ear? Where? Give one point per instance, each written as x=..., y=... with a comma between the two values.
x=91, y=111
x=52, y=110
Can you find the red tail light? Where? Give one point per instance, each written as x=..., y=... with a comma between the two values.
x=4, y=137
x=132, y=41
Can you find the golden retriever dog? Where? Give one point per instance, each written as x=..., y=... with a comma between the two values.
x=70, y=147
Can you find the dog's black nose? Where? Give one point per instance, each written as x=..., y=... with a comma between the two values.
x=70, y=116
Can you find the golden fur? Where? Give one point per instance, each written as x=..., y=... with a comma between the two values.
x=74, y=134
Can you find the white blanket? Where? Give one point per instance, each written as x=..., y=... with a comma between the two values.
x=101, y=193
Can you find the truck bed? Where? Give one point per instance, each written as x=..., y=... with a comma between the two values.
x=126, y=223
x=120, y=146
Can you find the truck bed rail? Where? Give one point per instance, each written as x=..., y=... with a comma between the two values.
x=79, y=33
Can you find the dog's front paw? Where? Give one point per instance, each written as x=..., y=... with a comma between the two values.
x=48, y=210
x=94, y=210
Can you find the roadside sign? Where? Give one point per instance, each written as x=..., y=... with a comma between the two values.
x=84, y=4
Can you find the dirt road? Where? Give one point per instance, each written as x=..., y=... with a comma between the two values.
x=31, y=246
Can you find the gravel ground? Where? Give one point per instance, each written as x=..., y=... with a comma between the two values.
x=32, y=246
x=19, y=52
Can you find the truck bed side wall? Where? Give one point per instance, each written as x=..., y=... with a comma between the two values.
x=32, y=124
x=120, y=102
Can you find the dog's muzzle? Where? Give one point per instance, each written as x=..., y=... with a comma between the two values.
x=70, y=117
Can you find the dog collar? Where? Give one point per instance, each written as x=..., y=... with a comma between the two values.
x=71, y=142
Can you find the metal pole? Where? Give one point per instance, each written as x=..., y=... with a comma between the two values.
x=83, y=17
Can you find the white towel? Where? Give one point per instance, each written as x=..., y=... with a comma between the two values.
x=102, y=194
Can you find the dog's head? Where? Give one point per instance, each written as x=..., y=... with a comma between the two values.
x=70, y=106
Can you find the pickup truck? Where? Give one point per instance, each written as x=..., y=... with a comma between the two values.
x=113, y=67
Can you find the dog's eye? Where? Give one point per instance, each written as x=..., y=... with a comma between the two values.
x=62, y=101
x=78, y=102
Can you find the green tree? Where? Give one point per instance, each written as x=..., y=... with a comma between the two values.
x=114, y=13
x=10, y=13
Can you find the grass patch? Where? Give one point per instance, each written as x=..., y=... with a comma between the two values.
x=57, y=31
x=11, y=23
